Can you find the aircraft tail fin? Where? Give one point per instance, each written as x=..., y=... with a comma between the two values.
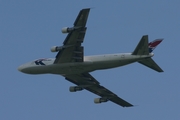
x=144, y=48
x=149, y=62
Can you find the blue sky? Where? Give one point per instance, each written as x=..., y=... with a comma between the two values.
x=28, y=28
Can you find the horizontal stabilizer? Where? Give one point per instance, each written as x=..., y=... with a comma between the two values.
x=151, y=64
x=142, y=47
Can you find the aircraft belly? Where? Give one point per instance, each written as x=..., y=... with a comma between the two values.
x=111, y=64
x=71, y=68
x=36, y=70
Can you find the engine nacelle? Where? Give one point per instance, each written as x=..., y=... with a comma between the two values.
x=56, y=48
x=100, y=100
x=67, y=29
x=75, y=88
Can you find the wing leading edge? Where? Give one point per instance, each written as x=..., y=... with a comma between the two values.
x=86, y=81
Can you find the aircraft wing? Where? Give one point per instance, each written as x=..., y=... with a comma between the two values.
x=86, y=81
x=72, y=51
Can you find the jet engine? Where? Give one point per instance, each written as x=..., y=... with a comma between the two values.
x=100, y=100
x=67, y=29
x=75, y=88
x=56, y=48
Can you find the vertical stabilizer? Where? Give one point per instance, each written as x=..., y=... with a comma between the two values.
x=142, y=47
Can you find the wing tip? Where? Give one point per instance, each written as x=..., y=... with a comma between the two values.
x=88, y=8
x=129, y=106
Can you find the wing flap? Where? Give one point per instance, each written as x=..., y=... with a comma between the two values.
x=71, y=54
x=82, y=79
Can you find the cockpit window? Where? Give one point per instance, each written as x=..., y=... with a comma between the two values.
x=40, y=61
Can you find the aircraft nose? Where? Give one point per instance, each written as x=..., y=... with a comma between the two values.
x=25, y=68
x=20, y=68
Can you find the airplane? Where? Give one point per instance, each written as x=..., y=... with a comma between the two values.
x=71, y=63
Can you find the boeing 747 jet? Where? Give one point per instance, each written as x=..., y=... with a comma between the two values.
x=71, y=63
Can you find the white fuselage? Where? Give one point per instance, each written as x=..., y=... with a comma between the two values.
x=91, y=63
